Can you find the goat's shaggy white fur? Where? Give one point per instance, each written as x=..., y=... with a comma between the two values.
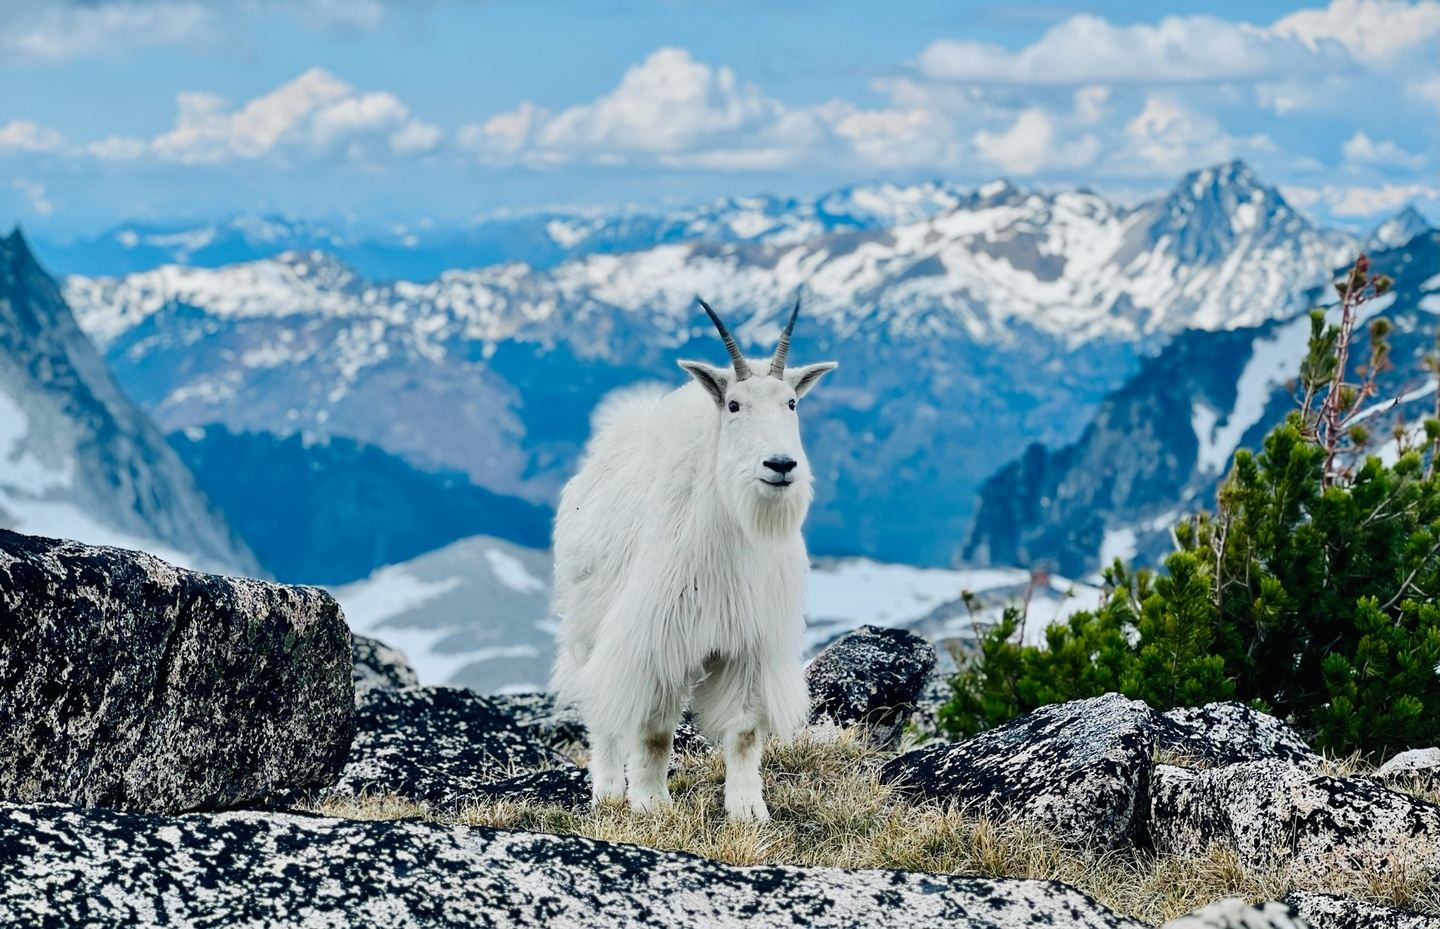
x=680, y=577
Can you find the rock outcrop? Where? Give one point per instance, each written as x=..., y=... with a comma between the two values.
x=547, y=722
x=567, y=787
x=436, y=746
x=1079, y=769
x=1228, y=733
x=379, y=667
x=1276, y=815
x=870, y=677
x=126, y=682
x=1420, y=765
x=64, y=867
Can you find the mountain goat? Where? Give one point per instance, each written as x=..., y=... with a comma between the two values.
x=680, y=574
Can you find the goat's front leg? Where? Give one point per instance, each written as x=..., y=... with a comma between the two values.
x=744, y=798
x=650, y=771
x=607, y=767
x=649, y=768
x=730, y=703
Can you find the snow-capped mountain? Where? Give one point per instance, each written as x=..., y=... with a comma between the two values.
x=1398, y=230
x=77, y=460
x=476, y=613
x=541, y=239
x=1220, y=251
x=1159, y=446
x=955, y=331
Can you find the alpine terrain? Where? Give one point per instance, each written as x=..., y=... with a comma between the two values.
x=958, y=328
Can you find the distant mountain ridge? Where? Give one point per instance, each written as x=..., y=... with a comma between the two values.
x=963, y=335
x=1160, y=444
x=335, y=509
x=541, y=239
x=77, y=459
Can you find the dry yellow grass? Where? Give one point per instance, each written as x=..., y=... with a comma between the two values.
x=829, y=809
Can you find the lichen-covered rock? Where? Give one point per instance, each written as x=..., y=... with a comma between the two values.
x=1324, y=911
x=127, y=682
x=924, y=723
x=558, y=727
x=1228, y=733
x=567, y=787
x=62, y=867
x=1237, y=914
x=1276, y=815
x=1418, y=764
x=871, y=677
x=689, y=740
x=435, y=746
x=1079, y=769
x=379, y=667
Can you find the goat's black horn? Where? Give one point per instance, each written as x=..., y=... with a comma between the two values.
x=777, y=363
x=737, y=360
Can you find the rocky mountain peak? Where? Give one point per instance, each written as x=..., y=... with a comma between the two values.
x=1398, y=229
x=1211, y=209
x=77, y=459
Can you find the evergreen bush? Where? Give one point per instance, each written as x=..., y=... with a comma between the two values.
x=1309, y=593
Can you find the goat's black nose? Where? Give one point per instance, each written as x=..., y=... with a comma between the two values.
x=782, y=464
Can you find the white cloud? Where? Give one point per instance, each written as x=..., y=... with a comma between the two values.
x=32, y=31
x=1032, y=144
x=1169, y=137
x=1362, y=201
x=1426, y=89
x=115, y=148
x=21, y=135
x=316, y=115
x=1090, y=102
x=1089, y=50
x=669, y=109
x=63, y=30
x=1360, y=149
x=35, y=196
x=1367, y=28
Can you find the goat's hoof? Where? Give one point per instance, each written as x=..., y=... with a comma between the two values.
x=597, y=800
x=653, y=803
x=748, y=810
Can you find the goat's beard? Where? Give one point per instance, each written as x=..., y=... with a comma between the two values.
x=768, y=513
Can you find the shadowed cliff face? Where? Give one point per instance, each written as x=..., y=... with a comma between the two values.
x=77, y=459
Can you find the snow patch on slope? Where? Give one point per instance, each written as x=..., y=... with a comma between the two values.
x=32, y=495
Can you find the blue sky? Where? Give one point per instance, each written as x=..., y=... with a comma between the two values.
x=431, y=110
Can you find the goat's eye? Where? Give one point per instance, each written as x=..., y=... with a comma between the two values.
x=734, y=407
x=792, y=403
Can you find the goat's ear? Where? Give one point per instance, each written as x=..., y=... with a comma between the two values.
x=715, y=380
x=803, y=378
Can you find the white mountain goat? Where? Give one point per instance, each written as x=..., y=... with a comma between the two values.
x=680, y=574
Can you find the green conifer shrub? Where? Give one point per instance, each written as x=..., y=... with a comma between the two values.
x=1310, y=593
